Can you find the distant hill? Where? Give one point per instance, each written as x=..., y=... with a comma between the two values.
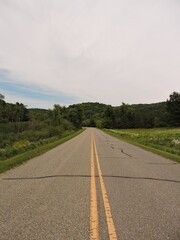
x=124, y=116
x=94, y=114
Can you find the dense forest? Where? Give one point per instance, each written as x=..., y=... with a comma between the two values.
x=155, y=115
x=22, y=128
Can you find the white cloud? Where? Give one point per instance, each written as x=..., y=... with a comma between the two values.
x=11, y=97
x=107, y=51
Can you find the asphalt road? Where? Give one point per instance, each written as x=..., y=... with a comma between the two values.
x=92, y=187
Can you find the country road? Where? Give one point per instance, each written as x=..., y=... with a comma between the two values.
x=93, y=187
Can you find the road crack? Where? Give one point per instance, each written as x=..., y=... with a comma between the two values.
x=125, y=152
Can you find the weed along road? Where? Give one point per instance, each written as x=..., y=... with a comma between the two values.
x=93, y=187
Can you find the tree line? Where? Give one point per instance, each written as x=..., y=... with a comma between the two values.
x=163, y=114
x=155, y=115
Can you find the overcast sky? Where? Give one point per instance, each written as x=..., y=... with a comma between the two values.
x=72, y=51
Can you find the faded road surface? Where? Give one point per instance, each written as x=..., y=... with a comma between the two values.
x=90, y=188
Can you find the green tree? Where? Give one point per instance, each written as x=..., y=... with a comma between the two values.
x=75, y=116
x=173, y=107
x=109, y=117
x=57, y=114
x=2, y=107
x=1, y=97
x=124, y=116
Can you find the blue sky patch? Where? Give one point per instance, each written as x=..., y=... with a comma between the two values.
x=32, y=91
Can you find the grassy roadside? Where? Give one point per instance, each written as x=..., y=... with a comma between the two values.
x=19, y=159
x=157, y=149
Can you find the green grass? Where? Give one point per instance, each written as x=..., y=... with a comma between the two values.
x=19, y=159
x=162, y=141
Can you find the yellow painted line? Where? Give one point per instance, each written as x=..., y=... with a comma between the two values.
x=109, y=219
x=94, y=226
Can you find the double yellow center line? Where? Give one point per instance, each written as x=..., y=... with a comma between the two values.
x=94, y=223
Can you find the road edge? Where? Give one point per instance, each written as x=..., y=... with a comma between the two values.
x=24, y=157
x=161, y=153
